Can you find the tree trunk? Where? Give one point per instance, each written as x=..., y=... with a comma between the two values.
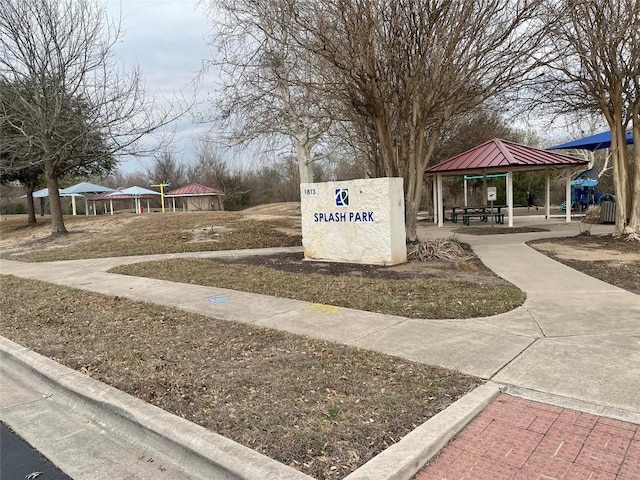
x=305, y=169
x=421, y=155
x=31, y=210
x=30, y=185
x=427, y=186
x=620, y=174
x=411, y=207
x=634, y=217
x=57, y=221
x=303, y=155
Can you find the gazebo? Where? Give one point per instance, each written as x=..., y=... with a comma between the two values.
x=81, y=189
x=136, y=194
x=196, y=197
x=121, y=194
x=503, y=157
x=43, y=194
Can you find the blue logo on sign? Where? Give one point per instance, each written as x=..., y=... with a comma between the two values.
x=342, y=197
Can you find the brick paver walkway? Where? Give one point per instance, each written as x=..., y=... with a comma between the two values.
x=519, y=439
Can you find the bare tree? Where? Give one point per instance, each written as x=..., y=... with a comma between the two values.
x=269, y=92
x=212, y=170
x=56, y=57
x=406, y=68
x=166, y=167
x=594, y=67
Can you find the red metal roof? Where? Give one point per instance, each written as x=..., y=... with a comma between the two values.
x=499, y=154
x=100, y=196
x=193, y=190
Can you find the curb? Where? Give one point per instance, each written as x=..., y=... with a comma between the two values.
x=208, y=455
x=404, y=459
x=203, y=453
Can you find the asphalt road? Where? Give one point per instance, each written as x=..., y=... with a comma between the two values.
x=19, y=461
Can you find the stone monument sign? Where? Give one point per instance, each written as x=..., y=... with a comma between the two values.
x=356, y=221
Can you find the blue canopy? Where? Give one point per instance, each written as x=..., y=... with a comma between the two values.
x=44, y=193
x=593, y=142
x=584, y=182
x=133, y=192
x=86, y=187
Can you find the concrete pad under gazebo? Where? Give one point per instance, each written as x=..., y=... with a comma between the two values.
x=196, y=197
x=503, y=157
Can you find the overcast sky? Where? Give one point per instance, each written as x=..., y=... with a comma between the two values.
x=166, y=38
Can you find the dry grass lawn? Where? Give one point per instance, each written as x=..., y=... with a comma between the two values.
x=126, y=235
x=322, y=408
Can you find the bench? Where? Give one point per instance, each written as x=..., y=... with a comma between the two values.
x=484, y=217
x=466, y=217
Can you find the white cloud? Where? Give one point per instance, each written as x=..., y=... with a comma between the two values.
x=166, y=39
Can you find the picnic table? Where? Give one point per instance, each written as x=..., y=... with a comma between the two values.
x=483, y=212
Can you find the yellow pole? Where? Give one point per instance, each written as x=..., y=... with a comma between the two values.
x=162, y=185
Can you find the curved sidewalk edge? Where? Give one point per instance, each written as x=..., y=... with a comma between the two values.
x=205, y=454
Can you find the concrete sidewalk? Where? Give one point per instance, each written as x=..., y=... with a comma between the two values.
x=575, y=338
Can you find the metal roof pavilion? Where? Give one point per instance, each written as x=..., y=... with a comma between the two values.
x=195, y=193
x=193, y=190
x=501, y=156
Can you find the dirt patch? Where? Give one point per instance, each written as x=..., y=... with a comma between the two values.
x=605, y=257
x=586, y=251
x=472, y=271
x=208, y=234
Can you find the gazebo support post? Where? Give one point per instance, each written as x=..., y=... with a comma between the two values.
x=466, y=193
x=567, y=194
x=484, y=187
x=111, y=206
x=435, y=200
x=439, y=186
x=173, y=203
x=510, y=196
x=547, y=194
x=73, y=205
